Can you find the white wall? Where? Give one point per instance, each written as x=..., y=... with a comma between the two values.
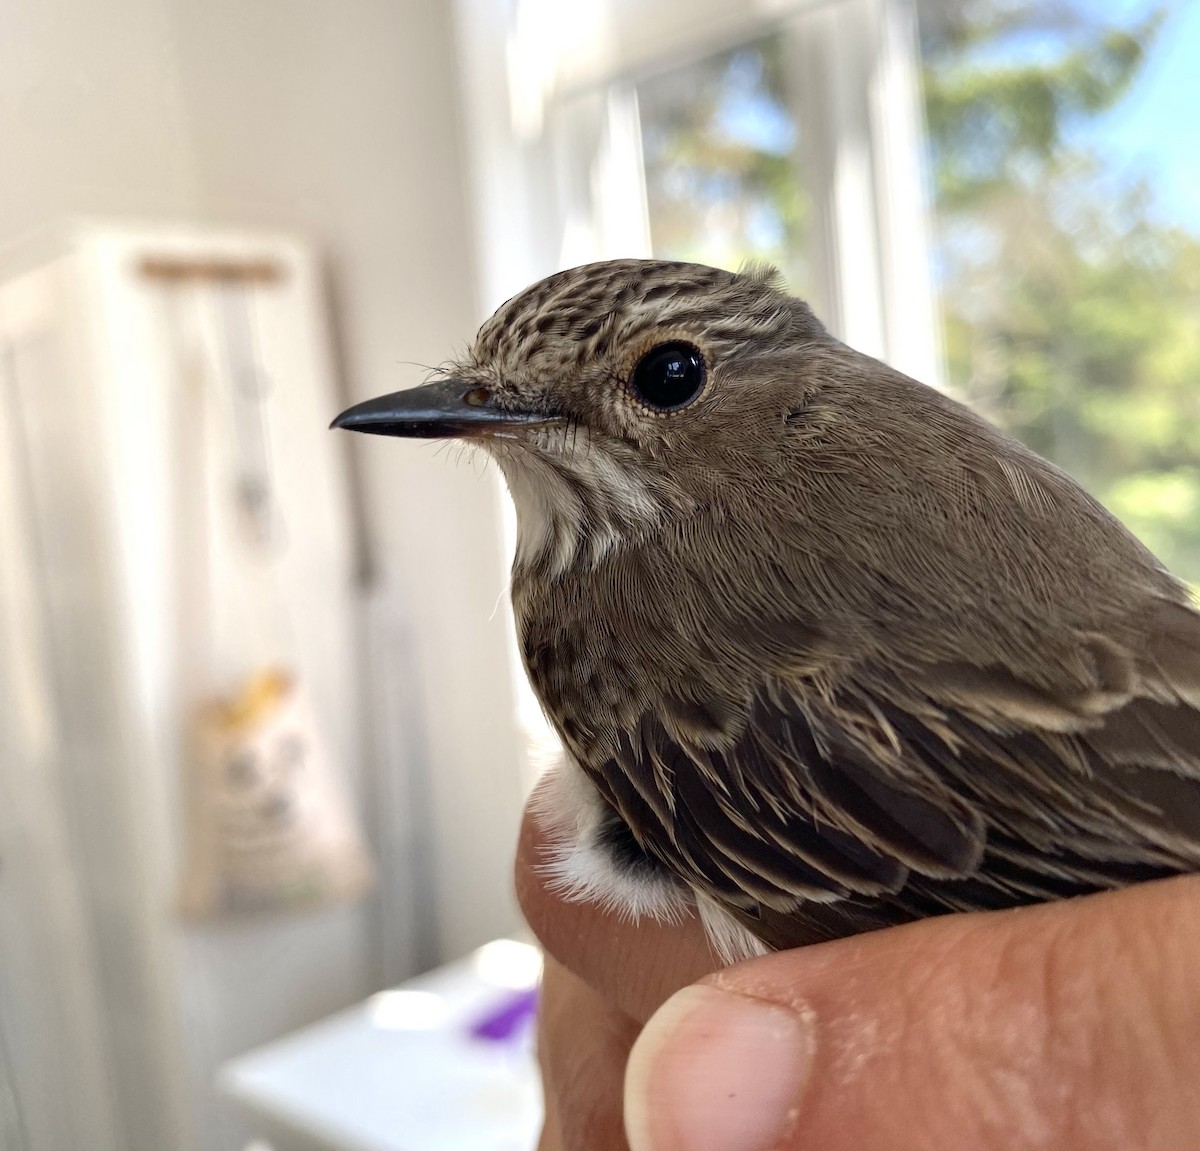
x=338, y=121
x=90, y=113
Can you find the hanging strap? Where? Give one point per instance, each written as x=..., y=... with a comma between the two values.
x=256, y=528
x=189, y=442
x=232, y=619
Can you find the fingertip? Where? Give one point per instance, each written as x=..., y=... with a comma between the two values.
x=717, y=1071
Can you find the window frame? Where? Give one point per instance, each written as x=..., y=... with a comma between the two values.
x=550, y=110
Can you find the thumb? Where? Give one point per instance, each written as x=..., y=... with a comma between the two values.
x=1059, y=1027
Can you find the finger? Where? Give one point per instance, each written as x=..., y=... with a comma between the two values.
x=583, y=1046
x=1059, y=1027
x=550, y=1139
x=551, y=1135
x=636, y=966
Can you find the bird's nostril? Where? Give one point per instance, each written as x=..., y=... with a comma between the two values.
x=478, y=397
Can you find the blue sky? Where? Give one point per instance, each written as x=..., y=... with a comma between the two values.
x=1155, y=130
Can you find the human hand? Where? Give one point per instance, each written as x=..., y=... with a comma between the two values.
x=1063, y=1027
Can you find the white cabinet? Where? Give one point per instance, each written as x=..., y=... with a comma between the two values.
x=114, y=1014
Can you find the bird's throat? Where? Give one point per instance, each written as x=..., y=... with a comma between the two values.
x=576, y=509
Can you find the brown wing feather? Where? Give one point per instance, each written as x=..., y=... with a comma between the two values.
x=893, y=800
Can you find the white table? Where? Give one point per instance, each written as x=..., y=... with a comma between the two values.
x=443, y=1063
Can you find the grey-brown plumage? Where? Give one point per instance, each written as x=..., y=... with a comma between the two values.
x=831, y=651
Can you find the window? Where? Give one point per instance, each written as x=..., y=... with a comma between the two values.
x=704, y=130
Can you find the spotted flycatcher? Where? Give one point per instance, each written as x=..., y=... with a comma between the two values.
x=826, y=651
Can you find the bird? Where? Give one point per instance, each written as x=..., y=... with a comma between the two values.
x=826, y=650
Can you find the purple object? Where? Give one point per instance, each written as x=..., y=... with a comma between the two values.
x=507, y=1020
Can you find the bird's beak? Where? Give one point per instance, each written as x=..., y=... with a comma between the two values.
x=439, y=410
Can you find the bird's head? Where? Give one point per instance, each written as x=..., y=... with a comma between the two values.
x=616, y=397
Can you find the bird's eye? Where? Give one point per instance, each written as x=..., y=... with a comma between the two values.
x=668, y=377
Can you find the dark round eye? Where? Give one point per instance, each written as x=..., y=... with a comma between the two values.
x=668, y=377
